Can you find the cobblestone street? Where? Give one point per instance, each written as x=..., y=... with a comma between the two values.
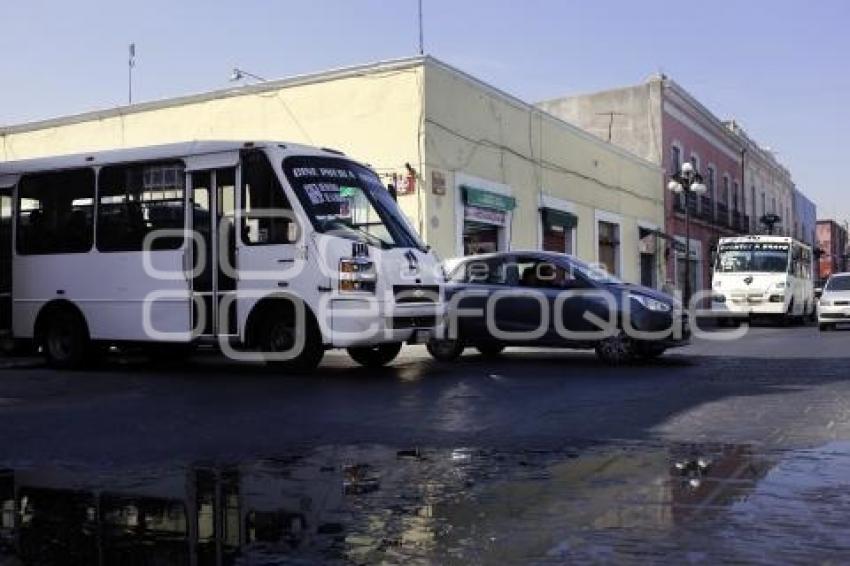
x=717, y=451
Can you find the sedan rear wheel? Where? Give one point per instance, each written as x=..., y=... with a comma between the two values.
x=445, y=350
x=490, y=350
x=649, y=351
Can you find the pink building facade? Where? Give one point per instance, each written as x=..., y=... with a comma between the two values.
x=689, y=132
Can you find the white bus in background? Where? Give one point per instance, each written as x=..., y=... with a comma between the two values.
x=763, y=275
x=256, y=247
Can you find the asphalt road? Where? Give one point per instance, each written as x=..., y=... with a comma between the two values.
x=507, y=446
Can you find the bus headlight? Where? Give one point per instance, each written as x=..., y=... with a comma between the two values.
x=718, y=298
x=357, y=274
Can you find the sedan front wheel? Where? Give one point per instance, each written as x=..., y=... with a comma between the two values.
x=616, y=350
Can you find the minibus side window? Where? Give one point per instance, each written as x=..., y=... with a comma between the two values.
x=267, y=213
x=137, y=199
x=56, y=212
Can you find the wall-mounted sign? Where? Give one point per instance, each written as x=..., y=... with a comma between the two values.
x=438, y=183
x=484, y=215
x=487, y=199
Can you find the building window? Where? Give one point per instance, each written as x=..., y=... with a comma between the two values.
x=763, y=204
x=648, y=249
x=709, y=181
x=735, y=197
x=558, y=230
x=486, y=220
x=609, y=246
x=56, y=212
x=675, y=160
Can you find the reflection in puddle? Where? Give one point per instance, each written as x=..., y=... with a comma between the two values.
x=370, y=503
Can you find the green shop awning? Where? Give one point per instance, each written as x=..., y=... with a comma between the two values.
x=553, y=217
x=487, y=199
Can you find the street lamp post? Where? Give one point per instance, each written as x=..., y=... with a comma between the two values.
x=687, y=181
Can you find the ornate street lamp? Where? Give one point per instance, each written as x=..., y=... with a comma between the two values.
x=770, y=220
x=687, y=181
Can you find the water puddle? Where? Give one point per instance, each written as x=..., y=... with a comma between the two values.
x=360, y=504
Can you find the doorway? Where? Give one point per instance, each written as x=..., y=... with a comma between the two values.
x=213, y=204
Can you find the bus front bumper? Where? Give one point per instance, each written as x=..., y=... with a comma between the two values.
x=746, y=306
x=365, y=323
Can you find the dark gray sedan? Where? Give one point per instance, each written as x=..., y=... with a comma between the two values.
x=544, y=299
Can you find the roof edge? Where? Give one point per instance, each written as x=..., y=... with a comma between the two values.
x=295, y=80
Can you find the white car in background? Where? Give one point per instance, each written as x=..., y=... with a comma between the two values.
x=834, y=304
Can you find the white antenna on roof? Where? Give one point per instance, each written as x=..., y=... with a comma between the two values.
x=131, y=62
x=421, y=32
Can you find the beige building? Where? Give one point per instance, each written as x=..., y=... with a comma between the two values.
x=768, y=185
x=476, y=169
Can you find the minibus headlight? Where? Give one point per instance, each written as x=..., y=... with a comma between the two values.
x=651, y=304
x=718, y=298
x=357, y=274
x=825, y=302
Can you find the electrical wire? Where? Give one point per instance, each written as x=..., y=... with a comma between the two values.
x=548, y=165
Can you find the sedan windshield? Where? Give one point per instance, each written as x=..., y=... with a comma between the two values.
x=753, y=257
x=838, y=283
x=348, y=200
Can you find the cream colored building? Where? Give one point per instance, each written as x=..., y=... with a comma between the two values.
x=477, y=169
x=769, y=187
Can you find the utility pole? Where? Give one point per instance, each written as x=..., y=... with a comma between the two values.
x=421, y=32
x=131, y=62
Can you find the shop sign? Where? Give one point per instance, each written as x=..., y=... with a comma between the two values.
x=559, y=218
x=485, y=215
x=487, y=199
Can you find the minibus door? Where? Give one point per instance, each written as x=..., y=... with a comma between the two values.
x=5, y=260
x=213, y=205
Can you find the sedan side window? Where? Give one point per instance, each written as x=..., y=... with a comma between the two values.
x=544, y=274
x=491, y=271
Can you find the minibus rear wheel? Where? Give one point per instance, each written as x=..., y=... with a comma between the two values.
x=66, y=340
x=375, y=356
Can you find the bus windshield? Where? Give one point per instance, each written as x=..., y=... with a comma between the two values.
x=348, y=200
x=761, y=257
x=839, y=283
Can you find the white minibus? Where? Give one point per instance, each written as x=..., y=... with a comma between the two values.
x=763, y=275
x=272, y=251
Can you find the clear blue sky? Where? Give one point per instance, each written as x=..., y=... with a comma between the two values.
x=779, y=66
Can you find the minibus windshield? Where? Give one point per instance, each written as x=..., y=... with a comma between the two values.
x=348, y=200
x=761, y=257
